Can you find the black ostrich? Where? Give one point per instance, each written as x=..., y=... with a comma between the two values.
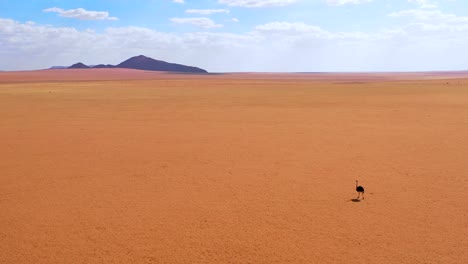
x=360, y=190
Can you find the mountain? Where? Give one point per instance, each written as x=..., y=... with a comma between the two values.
x=143, y=63
x=79, y=65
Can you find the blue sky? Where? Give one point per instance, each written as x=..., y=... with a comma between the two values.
x=238, y=35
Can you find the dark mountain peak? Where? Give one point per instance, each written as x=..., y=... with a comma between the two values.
x=79, y=65
x=142, y=62
x=139, y=59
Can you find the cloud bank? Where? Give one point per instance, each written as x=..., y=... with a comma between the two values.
x=81, y=13
x=257, y=3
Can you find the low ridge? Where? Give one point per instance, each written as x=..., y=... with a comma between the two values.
x=103, y=66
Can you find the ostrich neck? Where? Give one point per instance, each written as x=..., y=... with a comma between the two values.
x=356, y=184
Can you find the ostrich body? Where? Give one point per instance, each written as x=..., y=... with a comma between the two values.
x=360, y=190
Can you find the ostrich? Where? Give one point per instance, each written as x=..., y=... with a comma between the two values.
x=360, y=190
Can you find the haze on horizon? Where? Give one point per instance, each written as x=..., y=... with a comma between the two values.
x=236, y=35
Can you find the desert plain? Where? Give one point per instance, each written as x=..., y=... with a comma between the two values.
x=124, y=166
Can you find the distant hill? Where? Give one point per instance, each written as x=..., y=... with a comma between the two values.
x=79, y=65
x=144, y=63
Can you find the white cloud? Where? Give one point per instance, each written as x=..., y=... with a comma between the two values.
x=286, y=28
x=179, y=1
x=206, y=11
x=344, y=2
x=433, y=16
x=81, y=13
x=424, y=3
x=257, y=3
x=203, y=22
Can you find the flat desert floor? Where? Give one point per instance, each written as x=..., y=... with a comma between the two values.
x=161, y=168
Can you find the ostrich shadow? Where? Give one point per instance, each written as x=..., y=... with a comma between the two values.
x=355, y=200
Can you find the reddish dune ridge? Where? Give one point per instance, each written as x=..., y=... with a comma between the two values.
x=125, y=166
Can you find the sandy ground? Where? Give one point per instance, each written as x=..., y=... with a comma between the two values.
x=130, y=74
x=225, y=169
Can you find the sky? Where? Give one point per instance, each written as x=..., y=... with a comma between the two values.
x=238, y=35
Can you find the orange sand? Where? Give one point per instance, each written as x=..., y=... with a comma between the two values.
x=232, y=168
